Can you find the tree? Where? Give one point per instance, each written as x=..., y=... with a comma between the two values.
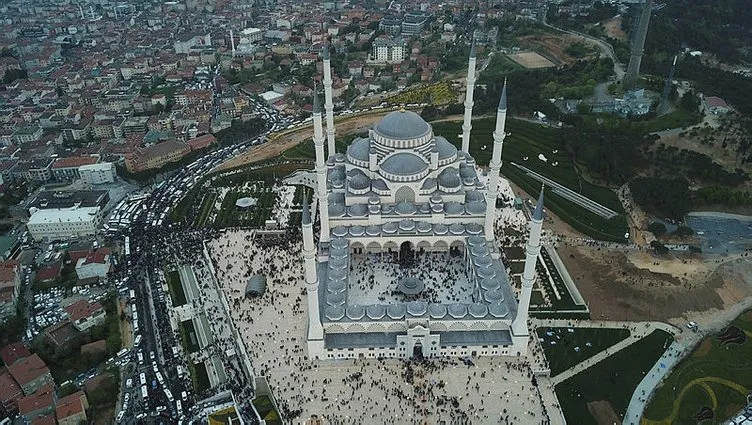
x=659, y=248
x=683, y=231
x=657, y=228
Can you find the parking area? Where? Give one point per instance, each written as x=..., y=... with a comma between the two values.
x=721, y=233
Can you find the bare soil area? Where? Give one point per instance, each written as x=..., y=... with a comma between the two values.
x=275, y=147
x=631, y=285
x=603, y=413
x=552, y=46
x=613, y=28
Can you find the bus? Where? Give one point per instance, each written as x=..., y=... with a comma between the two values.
x=132, y=294
x=127, y=246
x=144, y=393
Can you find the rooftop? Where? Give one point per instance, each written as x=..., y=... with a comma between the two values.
x=66, y=215
x=28, y=369
x=82, y=309
x=66, y=199
x=402, y=125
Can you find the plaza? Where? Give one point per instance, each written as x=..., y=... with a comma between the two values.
x=485, y=390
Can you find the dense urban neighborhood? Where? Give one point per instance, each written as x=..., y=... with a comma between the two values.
x=372, y=211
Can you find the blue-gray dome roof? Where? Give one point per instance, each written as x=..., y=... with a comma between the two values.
x=402, y=125
x=360, y=182
x=404, y=164
x=449, y=178
x=359, y=149
x=446, y=149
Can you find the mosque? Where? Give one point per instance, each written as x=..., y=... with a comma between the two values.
x=406, y=264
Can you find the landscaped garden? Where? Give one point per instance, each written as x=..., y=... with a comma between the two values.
x=435, y=94
x=566, y=347
x=604, y=390
x=175, y=288
x=711, y=384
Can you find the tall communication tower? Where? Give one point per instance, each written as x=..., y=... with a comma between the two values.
x=638, y=46
x=663, y=108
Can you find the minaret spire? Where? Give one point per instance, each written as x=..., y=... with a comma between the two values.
x=495, y=166
x=467, y=125
x=328, y=104
x=532, y=250
x=318, y=143
x=638, y=46
x=315, y=329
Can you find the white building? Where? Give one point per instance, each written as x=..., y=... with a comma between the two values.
x=63, y=223
x=98, y=173
x=388, y=50
x=403, y=213
x=96, y=264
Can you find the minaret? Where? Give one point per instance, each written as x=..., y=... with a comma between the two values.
x=638, y=46
x=493, y=185
x=328, y=104
x=318, y=143
x=315, y=330
x=532, y=249
x=466, y=125
x=232, y=43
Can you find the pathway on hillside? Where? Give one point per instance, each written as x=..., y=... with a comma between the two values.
x=638, y=330
x=683, y=346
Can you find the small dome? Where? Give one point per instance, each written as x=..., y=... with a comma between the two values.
x=402, y=125
x=405, y=208
x=375, y=311
x=449, y=178
x=467, y=171
x=360, y=182
x=404, y=164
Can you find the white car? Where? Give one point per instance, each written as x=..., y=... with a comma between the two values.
x=129, y=383
x=119, y=416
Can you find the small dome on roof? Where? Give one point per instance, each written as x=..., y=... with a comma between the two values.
x=449, y=178
x=360, y=182
x=402, y=125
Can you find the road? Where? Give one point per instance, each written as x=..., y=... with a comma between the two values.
x=606, y=48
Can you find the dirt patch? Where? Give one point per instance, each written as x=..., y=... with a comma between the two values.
x=616, y=289
x=531, y=60
x=603, y=413
x=613, y=28
x=275, y=147
x=704, y=348
x=551, y=46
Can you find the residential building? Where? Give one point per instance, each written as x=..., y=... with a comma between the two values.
x=413, y=23
x=10, y=394
x=39, y=169
x=156, y=156
x=390, y=26
x=716, y=105
x=38, y=404
x=26, y=134
x=66, y=169
x=64, y=223
x=10, y=283
x=71, y=410
x=95, y=264
x=98, y=173
x=191, y=42
x=84, y=315
x=30, y=373
x=388, y=50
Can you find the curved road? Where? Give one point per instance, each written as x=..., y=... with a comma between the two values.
x=605, y=48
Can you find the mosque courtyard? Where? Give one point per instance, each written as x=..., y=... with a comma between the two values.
x=448, y=391
x=441, y=277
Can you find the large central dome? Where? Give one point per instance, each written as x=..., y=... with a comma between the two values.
x=402, y=125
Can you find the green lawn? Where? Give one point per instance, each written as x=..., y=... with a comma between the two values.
x=528, y=140
x=189, y=336
x=713, y=371
x=175, y=288
x=565, y=349
x=200, y=377
x=207, y=204
x=612, y=380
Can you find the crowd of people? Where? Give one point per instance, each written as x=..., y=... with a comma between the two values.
x=273, y=326
x=374, y=278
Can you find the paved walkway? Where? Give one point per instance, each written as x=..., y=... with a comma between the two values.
x=683, y=346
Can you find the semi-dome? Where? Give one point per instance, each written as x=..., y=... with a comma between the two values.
x=446, y=149
x=359, y=149
x=402, y=125
x=404, y=164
